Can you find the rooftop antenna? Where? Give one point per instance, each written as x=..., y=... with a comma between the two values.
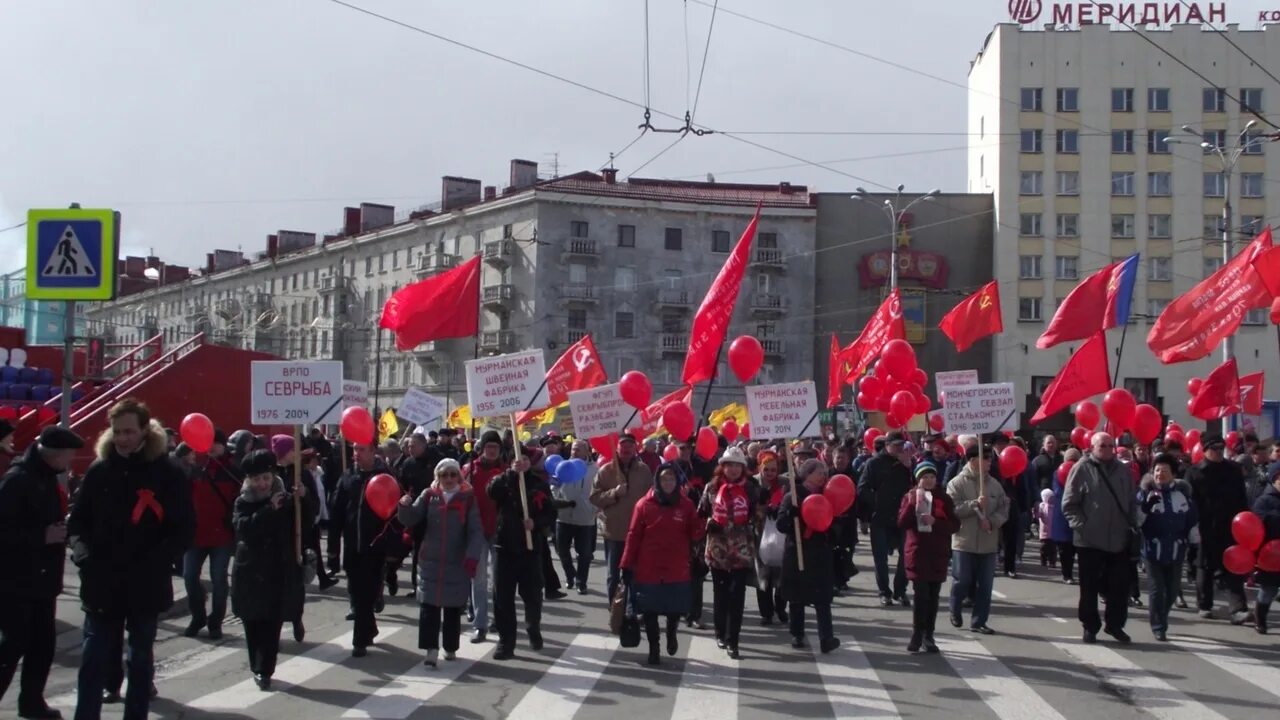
x=555, y=165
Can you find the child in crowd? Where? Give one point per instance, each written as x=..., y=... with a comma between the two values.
x=1044, y=516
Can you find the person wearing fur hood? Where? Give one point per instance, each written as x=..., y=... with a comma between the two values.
x=266, y=579
x=132, y=519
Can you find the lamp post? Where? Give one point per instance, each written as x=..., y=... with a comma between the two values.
x=894, y=209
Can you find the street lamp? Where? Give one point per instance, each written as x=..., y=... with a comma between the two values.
x=1227, y=156
x=891, y=209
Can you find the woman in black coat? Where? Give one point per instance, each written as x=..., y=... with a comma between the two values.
x=815, y=585
x=1267, y=507
x=267, y=582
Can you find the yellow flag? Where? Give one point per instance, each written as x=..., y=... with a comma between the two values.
x=734, y=410
x=547, y=417
x=387, y=426
x=460, y=417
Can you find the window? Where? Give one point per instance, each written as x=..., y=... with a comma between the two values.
x=1256, y=316
x=624, y=324
x=1212, y=265
x=1159, y=184
x=1121, y=142
x=1030, y=182
x=1251, y=225
x=382, y=263
x=720, y=241
x=1068, y=225
x=764, y=283
x=1158, y=142
x=392, y=369
x=578, y=229
x=627, y=236
x=1031, y=99
x=1068, y=141
x=1253, y=143
x=1251, y=100
x=672, y=323
x=1159, y=269
x=1029, y=309
x=1068, y=100
x=1029, y=267
x=672, y=278
x=577, y=319
x=1213, y=227
x=1065, y=267
x=672, y=371
x=1121, y=184
x=1214, y=100
x=1031, y=141
x=368, y=266
x=624, y=278
x=508, y=231
x=1029, y=224
x=674, y=239
x=1157, y=99
x=1154, y=308
x=1121, y=99
x=1158, y=227
x=1216, y=138
x=1068, y=182
x=1251, y=185
x=1214, y=185
x=1122, y=225
x=767, y=240
x=577, y=273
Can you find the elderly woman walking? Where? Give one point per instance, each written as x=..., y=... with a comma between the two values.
x=815, y=584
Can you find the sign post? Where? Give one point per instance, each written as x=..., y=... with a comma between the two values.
x=787, y=411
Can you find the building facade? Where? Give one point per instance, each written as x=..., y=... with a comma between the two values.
x=1078, y=135
x=626, y=261
x=45, y=321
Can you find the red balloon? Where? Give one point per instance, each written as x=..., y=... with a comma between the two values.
x=1080, y=437
x=1269, y=556
x=898, y=357
x=1197, y=454
x=841, y=492
x=1275, y=311
x=708, y=443
x=745, y=431
x=605, y=446
x=746, y=355
x=197, y=432
x=1064, y=471
x=635, y=388
x=1193, y=437
x=1193, y=385
x=903, y=405
x=729, y=430
x=937, y=422
x=1118, y=405
x=1172, y=426
x=1239, y=560
x=357, y=426
x=870, y=385
x=864, y=401
x=1087, y=415
x=894, y=421
x=919, y=377
x=382, y=494
x=817, y=512
x=869, y=438
x=1146, y=423
x=1248, y=531
x=1175, y=436
x=922, y=404
x=679, y=421
x=671, y=454
x=1013, y=460
x=1233, y=441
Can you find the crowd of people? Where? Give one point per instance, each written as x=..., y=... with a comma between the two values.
x=481, y=522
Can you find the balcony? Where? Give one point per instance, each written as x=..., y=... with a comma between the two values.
x=579, y=293
x=576, y=248
x=498, y=296
x=333, y=283
x=768, y=258
x=262, y=301
x=428, y=350
x=768, y=305
x=432, y=263
x=773, y=347
x=573, y=335
x=499, y=253
x=498, y=341
x=673, y=343
x=671, y=298
x=227, y=308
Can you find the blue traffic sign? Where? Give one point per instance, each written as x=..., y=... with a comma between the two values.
x=71, y=254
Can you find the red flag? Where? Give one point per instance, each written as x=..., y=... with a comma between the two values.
x=1219, y=394
x=651, y=417
x=578, y=368
x=712, y=320
x=1086, y=374
x=976, y=317
x=1251, y=393
x=1193, y=324
x=1267, y=265
x=885, y=325
x=1099, y=302
x=833, y=374
x=438, y=308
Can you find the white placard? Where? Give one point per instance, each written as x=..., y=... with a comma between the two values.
x=355, y=393
x=944, y=382
x=507, y=384
x=424, y=410
x=294, y=392
x=598, y=411
x=784, y=411
x=979, y=409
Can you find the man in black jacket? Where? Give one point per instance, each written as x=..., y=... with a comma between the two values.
x=365, y=542
x=1217, y=487
x=885, y=480
x=32, y=552
x=516, y=567
x=133, y=516
x=1046, y=463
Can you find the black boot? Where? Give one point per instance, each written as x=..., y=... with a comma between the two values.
x=672, y=644
x=914, y=645
x=653, y=652
x=1260, y=617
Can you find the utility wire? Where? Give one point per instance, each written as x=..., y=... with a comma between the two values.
x=705, y=51
x=688, y=73
x=661, y=152
x=13, y=227
x=646, y=54
x=1233, y=44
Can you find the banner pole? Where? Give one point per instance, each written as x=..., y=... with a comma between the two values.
x=524, y=497
x=795, y=499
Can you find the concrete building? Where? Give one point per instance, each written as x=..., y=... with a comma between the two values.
x=45, y=321
x=627, y=261
x=944, y=248
x=1070, y=131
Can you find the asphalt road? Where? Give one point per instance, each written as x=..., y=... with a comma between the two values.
x=1035, y=667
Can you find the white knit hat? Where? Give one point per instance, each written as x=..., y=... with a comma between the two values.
x=448, y=464
x=733, y=455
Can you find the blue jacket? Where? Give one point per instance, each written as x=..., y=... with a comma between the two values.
x=1060, y=530
x=1267, y=507
x=1167, y=518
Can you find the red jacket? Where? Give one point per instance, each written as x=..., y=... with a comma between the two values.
x=478, y=473
x=213, y=494
x=927, y=555
x=659, y=538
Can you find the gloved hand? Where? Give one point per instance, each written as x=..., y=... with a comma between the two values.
x=627, y=575
x=471, y=565
x=1149, y=503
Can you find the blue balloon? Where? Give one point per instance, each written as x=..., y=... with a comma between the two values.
x=551, y=463
x=571, y=472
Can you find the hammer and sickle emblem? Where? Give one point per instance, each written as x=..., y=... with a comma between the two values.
x=895, y=308
x=582, y=358
x=985, y=301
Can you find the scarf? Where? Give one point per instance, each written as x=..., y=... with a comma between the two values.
x=730, y=506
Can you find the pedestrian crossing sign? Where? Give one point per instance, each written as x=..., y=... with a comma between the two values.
x=71, y=254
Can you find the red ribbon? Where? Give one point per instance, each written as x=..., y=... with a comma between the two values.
x=63, y=499
x=147, y=501
x=538, y=499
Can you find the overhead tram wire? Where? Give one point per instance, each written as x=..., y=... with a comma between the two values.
x=706, y=50
x=1241, y=50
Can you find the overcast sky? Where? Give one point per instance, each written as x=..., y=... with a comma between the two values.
x=212, y=124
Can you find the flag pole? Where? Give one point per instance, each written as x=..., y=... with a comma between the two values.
x=706, y=399
x=524, y=496
x=1115, y=376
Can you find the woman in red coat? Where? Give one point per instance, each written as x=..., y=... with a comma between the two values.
x=655, y=561
x=928, y=515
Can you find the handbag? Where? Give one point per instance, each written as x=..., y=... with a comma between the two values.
x=618, y=610
x=630, y=635
x=1135, y=535
x=773, y=545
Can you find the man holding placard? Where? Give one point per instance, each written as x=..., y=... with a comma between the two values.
x=983, y=509
x=517, y=566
